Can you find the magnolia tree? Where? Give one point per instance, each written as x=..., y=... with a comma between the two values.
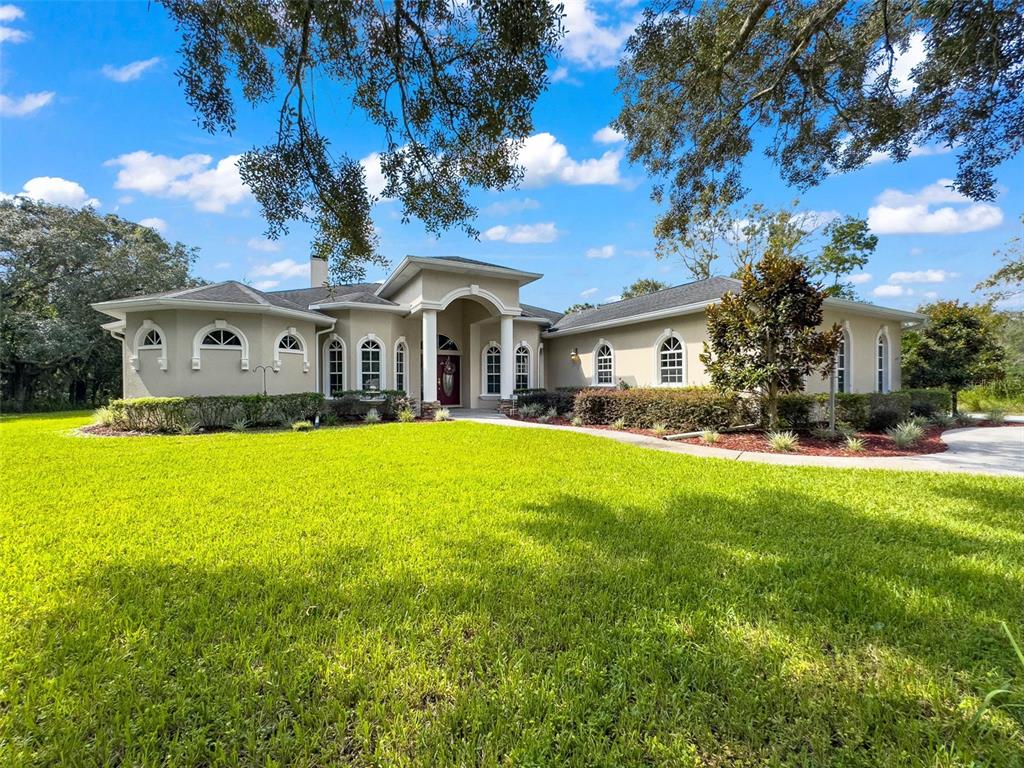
x=766, y=339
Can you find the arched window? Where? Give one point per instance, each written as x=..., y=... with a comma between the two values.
x=843, y=363
x=334, y=367
x=604, y=369
x=882, y=364
x=371, y=365
x=401, y=358
x=444, y=344
x=221, y=336
x=152, y=340
x=523, y=367
x=290, y=342
x=671, y=362
x=149, y=336
x=492, y=369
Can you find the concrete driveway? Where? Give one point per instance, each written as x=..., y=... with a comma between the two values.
x=989, y=451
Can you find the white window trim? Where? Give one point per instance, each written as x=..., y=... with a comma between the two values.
x=456, y=351
x=401, y=342
x=887, y=372
x=290, y=331
x=848, y=345
x=383, y=361
x=327, y=364
x=529, y=363
x=140, y=335
x=198, y=346
x=484, y=394
x=668, y=333
x=593, y=375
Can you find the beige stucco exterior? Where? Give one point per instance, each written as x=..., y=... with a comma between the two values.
x=476, y=307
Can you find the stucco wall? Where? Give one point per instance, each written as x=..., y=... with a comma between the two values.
x=220, y=371
x=634, y=352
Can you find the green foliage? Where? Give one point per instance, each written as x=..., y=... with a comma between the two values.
x=531, y=410
x=642, y=287
x=1010, y=690
x=783, y=441
x=442, y=414
x=847, y=249
x=906, y=434
x=1007, y=282
x=887, y=409
x=1006, y=394
x=683, y=409
x=406, y=415
x=854, y=444
x=660, y=428
x=928, y=402
x=579, y=307
x=547, y=415
x=328, y=598
x=240, y=425
x=800, y=411
x=104, y=417
x=996, y=417
x=449, y=87
x=710, y=437
x=619, y=424
x=943, y=420
x=560, y=399
x=812, y=85
x=170, y=414
x=353, y=405
x=576, y=421
x=189, y=428
x=54, y=262
x=765, y=339
x=957, y=348
x=302, y=426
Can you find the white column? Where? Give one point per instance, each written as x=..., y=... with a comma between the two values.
x=508, y=358
x=430, y=355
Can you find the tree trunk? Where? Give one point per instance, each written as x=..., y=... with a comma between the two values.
x=773, y=406
x=952, y=395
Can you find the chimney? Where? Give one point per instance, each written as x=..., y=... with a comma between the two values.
x=317, y=272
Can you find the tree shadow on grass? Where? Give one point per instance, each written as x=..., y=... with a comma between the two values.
x=777, y=628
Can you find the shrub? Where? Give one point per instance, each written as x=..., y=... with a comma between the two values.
x=943, y=420
x=996, y=417
x=531, y=410
x=104, y=417
x=928, y=402
x=799, y=411
x=683, y=409
x=710, y=437
x=906, y=434
x=888, y=409
x=659, y=428
x=353, y=405
x=854, y=444
x=845, y=430
x=853, y=409
x=302, y=425
x=619, y=423
x=406, y=415
x=547, y=416
x=372, y=416
x=560, y=399
x=169, y=414
x=442, y=414
x=189, y=428
x=576, y=421
x=783, y=441
x=240, y=425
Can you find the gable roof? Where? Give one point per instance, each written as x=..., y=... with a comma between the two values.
x=411, y=265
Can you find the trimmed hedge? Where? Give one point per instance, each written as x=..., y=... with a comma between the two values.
x=928, y=402
x=562, y=399
x=878, y=411
x=352, y=405
x=682, y=409
x=169, y=414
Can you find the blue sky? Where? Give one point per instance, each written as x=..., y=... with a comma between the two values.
x=92, y=114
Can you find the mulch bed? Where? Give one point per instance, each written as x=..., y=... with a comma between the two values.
x=875, y=443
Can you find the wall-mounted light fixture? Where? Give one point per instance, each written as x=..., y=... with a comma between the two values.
x=575, y=355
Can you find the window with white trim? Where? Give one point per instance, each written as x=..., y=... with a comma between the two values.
x=335, y=367
x=671, y=368
x=444, y=344
x=222, y=338
x=401, y=354
x=522, y=367
x=289, y=343
x=492, y=370
x=882, y=368
x=152, y=340
x=603, y=365
x=843, y=364
x=370, y=364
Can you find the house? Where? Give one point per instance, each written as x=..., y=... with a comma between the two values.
x=451, y=332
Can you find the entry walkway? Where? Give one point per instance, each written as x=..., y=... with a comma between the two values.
x=974, y=450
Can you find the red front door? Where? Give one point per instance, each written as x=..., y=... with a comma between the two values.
x=448, y=380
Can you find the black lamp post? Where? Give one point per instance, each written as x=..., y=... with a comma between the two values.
x=264, y=368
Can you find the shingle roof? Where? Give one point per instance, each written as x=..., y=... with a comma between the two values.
x=669, y=298
x=529, y=310
x=363, y=293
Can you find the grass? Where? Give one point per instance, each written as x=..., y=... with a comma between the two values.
x=432, y=594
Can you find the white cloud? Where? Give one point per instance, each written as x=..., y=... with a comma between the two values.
x=210, y=189
x=10, y=13
x=916, y=150
x=12, y=35
x=129, y=72
x=53, y=189
x=375, y=178
x=898, y=213
x=590, y=43
x=284, y=269
x=222, y=265
x=502, y=208
x=561, y=75
x=260, y=244
x=588, y=293
x=608, y=135
x=265, y=285
x=603, y=252
x=811, y=220
x=546, y=232
x=154, y=223
x=609, y=299
x=26, y=105
x=902, y=81
x=931, y=294
x=546, y=161
x=892, y=291
x=923, y=276
x=862, y=277
x=126, y=199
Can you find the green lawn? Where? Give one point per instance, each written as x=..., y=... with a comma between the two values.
x=465, y=594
